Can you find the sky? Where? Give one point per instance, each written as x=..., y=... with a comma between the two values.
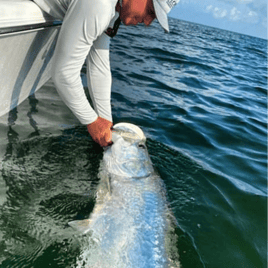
x=243, y=16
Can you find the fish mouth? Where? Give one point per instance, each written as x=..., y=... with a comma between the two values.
x=128, y=132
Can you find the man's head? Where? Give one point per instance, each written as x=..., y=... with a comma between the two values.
x=137, y=11
x=145, y=11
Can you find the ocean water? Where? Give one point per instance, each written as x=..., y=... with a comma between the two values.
x=200, y=95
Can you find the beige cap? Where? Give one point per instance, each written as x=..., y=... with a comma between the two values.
x=162, y=8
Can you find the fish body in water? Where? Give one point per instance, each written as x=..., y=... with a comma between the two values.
x=130, y=223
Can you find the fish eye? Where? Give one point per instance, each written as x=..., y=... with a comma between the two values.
x=141, y=145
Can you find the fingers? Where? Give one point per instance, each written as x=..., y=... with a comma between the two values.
x=106, y=133
x=104, y=141
x=100, y=131
x=107, y=138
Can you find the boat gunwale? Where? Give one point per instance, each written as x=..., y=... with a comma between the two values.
x=25, y=28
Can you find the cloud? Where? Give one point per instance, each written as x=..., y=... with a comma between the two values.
x=242, y=13
x=219, y=13
x=209, y=8
x=252, y=17
x=216, y=11
x=247, y=16
x=259, y=6
x=235, y=14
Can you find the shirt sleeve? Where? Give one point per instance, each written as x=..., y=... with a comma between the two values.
x=84, y=22
x=99, y=76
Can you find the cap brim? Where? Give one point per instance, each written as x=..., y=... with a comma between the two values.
x=161, y=16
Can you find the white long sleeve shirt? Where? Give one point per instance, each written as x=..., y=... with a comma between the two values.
x=82, y=38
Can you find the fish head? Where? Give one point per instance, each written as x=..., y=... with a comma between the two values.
x=128, y=156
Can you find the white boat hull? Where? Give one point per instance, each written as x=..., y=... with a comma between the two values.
x=26, y=48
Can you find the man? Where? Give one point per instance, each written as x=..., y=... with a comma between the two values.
x=84, y=36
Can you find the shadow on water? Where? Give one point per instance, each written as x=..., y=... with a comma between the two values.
x=12, y=117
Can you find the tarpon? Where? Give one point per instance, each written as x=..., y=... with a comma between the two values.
x=130, y=223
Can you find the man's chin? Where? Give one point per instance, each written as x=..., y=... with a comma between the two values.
x=129, y=21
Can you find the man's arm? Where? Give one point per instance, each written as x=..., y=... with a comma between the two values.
x=99, y=76
x=84, y=22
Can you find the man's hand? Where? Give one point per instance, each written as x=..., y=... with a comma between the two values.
x=100, y=131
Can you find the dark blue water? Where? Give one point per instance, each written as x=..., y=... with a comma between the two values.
x=200, y=95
